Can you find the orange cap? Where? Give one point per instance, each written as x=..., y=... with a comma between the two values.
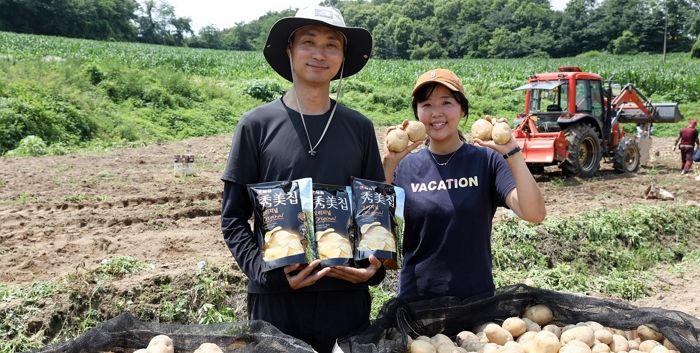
x=442, y=76
x=693, y=123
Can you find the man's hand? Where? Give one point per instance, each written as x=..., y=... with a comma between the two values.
x=306, y=276
x=356, y=275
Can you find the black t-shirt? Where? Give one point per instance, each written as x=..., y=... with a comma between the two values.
x=449, y=211
x=269, y=144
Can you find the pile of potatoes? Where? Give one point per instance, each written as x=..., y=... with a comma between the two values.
x=490, y=128
x=535, y=333
x=164, y=344
x=397, y=139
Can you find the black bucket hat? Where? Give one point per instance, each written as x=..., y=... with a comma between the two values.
x=358, y=40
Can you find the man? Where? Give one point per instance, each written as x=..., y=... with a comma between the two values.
x=686, y=141
x=304, y=134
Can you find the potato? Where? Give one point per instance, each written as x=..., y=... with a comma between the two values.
x=596, y=326
x=659, y=349
x=491, y=348
x=142, y=350
x=531, y=325
x=465, y=336
x=473, y=345
x=424, y=338
x=396, y=140
x=647, y=333
x=527, y=336
x=160, y=344
x=601, y=348
x=481, y=129
x=421, y=346
x=415, y=130
x=575, y=346
x=514, y=347
x=619, y=344
x=439, y=339
x=515, y=325
x=553, y=329
x=647, y=345
x=544, y=342
x=208, y=348
x=631, y=334
x=540, y=314
x=497, y=334
x=633, y=344
x=501, y=133
x=584, y=334
x=603, y=336
x=446, y=347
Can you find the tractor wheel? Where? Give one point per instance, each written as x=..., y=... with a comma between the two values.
x=584, y=151
x=627, y=158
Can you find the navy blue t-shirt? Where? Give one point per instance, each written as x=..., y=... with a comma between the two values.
x=449, y=212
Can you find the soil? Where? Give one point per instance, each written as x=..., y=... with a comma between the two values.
x=62, y=213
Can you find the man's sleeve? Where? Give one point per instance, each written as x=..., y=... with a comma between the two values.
x=378, y=277
x=236, y=210
x=372, y=168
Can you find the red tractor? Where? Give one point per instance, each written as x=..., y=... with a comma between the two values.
x=573, y=121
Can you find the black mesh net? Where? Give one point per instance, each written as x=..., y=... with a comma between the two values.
x=125, y=333
x=449, y=315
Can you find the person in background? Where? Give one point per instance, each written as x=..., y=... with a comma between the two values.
x=686, y=141
x=452, y=191
x=304, y=134
x=644, y=132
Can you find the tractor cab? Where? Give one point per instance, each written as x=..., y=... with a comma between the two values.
x=560, y=98
x=546, y=100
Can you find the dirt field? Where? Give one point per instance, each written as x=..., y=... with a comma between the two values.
x=60, y=213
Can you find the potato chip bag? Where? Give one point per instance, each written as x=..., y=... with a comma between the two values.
x=333, y=224
x=284, y=221
x=379, y=221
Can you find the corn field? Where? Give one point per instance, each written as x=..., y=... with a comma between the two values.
x=677, y=79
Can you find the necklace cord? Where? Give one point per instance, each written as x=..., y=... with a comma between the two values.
x=312, y=149
x=448, y=159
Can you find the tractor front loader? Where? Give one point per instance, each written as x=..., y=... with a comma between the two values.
x=573, y=121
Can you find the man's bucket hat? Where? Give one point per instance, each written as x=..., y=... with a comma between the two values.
x=358, y=46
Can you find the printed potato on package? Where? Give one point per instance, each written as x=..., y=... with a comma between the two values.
x=284, y=222
x=379, y=223
x=333, y=224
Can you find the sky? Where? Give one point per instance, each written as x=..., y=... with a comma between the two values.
x=226, y=13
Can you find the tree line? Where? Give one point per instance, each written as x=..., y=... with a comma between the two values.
x=402, y=29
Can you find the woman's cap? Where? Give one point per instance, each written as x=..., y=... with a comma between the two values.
x=358, y=46
x=442, y=76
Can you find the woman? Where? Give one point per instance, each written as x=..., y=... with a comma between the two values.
x=452, y=192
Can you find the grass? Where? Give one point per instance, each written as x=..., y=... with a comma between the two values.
x=608, y=251
x=24, y=198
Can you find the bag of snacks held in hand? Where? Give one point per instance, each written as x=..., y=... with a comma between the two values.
x=378, y=215
x=284, y=222
x=333, y=224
